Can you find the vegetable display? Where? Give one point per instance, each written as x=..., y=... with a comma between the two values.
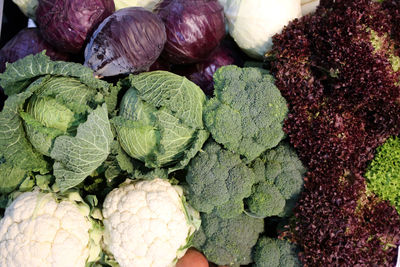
x=161, y=141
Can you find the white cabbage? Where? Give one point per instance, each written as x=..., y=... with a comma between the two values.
x=252, y=23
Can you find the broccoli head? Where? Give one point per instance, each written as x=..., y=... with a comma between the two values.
x=280, y=180
x=218, y=180
x=272, y=252
x=265, y=200
x=247, y=111
x=228, y=241
x=383, y=173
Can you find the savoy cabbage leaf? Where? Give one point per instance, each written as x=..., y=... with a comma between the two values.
x=77, y=157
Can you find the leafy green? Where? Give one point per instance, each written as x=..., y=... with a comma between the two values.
x=19, y=74
x=160, y=120
x=51, y=100
x=18, y=158
x=77, y=157
x=383, y=173
x=247, y=112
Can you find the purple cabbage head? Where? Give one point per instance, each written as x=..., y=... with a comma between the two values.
x=194, y=29
x=67, y=23
x=128, y=41
x=26, y=42
x=202, y=73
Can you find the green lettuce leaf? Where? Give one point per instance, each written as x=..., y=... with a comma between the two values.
x=77, y=157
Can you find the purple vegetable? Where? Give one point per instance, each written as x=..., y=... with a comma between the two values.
x=160, y=64
x=194, y=29
x=27, y=41
x=202, y=73
x=130, y=40
x=66, y=23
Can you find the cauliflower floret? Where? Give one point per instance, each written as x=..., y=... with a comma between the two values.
x=36, y=230
x=145, y=223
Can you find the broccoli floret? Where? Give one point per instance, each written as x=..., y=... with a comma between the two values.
x=272, y=252
x=228, y=241
x=218, y=180
x=247, y=111
x=383, y=173
x=265, y=200
x=279, y=182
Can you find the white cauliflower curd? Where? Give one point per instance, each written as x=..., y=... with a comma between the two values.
x=147, y=223
x=38, y=230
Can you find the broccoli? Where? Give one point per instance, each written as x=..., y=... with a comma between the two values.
x=279, y=182
x=247, y=111
x=272, y=252
x=383, y=173
x=228, y=241
x=218, y=180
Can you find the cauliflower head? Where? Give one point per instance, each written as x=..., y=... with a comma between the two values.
x=39, y=230
x=147, y=223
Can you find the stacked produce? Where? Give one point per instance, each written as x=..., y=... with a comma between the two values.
x=162, y=141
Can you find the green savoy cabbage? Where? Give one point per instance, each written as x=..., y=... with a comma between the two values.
x=247, y=111
x=383, y=173
x=56, y=110
x=160, y=119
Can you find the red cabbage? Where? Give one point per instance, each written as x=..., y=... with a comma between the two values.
x=194, y=29
x=130, y=40
x=27, y=41
x=160, y=64
x=202, y=73
x=66, y=23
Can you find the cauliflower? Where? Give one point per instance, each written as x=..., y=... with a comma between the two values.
x=39, y=230
x=147, y=223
